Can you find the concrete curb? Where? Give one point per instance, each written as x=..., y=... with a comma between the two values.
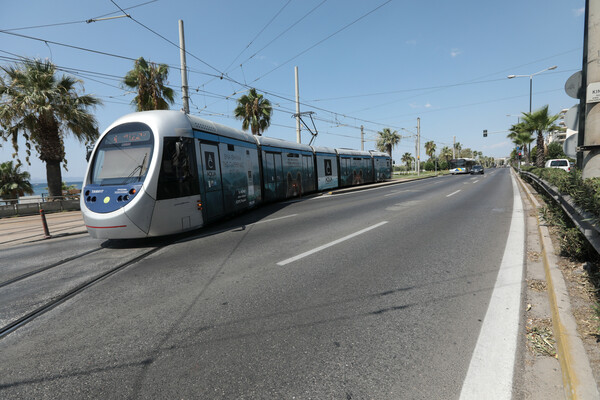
x=375, y=185
x=578, y=379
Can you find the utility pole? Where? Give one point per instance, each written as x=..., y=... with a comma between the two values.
x=418, y=146
x=362, y=138
x=298, y=137
x=591, y=88
x=184, y=83
x=454, y=148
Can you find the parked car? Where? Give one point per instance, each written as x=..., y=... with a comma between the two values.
x=561, y=163
x=477, y=169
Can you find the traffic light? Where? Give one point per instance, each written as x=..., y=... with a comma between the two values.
x=485, y=133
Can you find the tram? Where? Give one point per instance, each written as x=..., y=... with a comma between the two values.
x=157, y=173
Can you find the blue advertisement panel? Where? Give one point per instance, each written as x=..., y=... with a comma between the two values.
x=327, y=172
x=383, y=169
x=240, y=176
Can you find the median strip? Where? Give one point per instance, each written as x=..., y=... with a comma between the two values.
x=323, y=247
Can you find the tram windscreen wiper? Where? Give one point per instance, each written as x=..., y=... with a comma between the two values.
x=138, y=169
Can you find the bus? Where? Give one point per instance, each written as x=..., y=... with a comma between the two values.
x=461, y=165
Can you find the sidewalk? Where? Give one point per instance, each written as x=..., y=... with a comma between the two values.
x=19, y=230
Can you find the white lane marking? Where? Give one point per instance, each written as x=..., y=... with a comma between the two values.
x=272, y=219
x=317, y=249
x=453, y=193
x=490, y=374
x=476, y=181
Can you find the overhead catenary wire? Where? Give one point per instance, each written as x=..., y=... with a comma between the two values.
x=258, y=34
x=334, y=113
x=73, y=22
x=323, y=40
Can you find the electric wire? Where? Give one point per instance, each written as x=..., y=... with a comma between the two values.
x=323, y=40
x=258, y=34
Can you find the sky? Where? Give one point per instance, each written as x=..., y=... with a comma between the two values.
x=379, y=63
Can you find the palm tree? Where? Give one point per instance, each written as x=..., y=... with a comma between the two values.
x=254, y=111
x=446, y=153
x=387, y=140
x=407, y=158
x=44, y=108
x=457, y=148
x=540, y=121
x=13, y=182
x=150, y=82
x=521, y=135
x=430, y=148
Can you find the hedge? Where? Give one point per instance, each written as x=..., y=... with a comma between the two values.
x=584, y=192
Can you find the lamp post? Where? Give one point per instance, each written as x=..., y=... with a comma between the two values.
x=531, y=81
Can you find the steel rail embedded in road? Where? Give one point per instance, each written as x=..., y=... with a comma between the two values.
x=47, y=267
x=13, y=326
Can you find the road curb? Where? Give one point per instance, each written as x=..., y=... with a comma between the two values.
x=578, y=379
x=375, y=185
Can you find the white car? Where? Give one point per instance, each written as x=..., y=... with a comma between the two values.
x=561, y=163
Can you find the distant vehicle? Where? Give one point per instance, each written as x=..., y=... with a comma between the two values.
x=561, y=163
x=461, y=165
x=477, y=169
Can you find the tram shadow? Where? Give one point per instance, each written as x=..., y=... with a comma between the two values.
x=234, y=222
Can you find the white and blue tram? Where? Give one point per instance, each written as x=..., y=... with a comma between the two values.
x=163, y=172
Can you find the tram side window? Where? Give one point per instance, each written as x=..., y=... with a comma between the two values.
x=178, y=173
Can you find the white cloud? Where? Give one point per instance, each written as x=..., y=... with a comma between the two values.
x=579, y=11
x=428, y=105
x=455, y=53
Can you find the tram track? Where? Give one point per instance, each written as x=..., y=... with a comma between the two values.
x=47, y=267
x=27, y=315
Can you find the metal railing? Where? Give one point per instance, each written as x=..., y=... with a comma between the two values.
x=31, y=205
x=586, y=222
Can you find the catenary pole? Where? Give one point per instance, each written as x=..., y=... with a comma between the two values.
x=418, y=146
x=184, y=83
x=298, y=137
x=362, y=138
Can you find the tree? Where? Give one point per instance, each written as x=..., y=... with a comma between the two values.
x=430, y=148
x=254, y=111
x=457, y=148
x=446, y=153
x=150, y=82
x=407, y=158
x=521, y=135
x=387, y=140
x=555, y=150
x=540, y=121
x=43, y=108
x=13, y=182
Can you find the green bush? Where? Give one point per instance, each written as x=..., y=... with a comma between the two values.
x=584, y=192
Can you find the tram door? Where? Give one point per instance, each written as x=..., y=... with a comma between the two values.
x=308, y=181
x=213, y=187
x=273, y=177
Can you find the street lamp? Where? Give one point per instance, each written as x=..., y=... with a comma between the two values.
x=531, y=81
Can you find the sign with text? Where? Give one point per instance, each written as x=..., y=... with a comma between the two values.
x=593, y=93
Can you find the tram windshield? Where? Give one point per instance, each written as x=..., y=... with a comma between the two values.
x=123, y=155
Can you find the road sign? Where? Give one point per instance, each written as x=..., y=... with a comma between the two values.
x=593, y=93
x=572, y=118
x=573, y=85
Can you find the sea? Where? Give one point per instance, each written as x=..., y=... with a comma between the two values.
x=41, y=188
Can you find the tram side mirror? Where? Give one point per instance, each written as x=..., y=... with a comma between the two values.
x=88, y=153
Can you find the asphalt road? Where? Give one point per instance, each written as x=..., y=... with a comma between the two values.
x=375, y=294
